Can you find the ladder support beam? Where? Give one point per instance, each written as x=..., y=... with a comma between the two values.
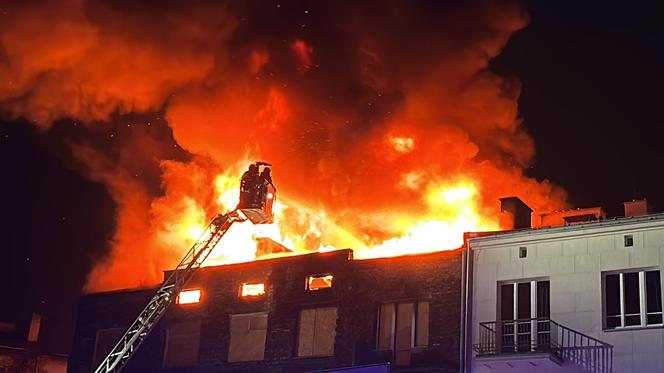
x=169, y=289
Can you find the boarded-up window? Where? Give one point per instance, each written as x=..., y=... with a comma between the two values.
x=248, y=332
x=317, y=332
x=402, y=326
x=104, y=342
x=404, y=333
x=386, y=327
x=422, y=325
x=182, y=342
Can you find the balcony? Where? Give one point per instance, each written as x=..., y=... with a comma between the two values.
x=544, y=336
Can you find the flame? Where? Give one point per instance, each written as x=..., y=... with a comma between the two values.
x=451, y=208
x=378, y=145
x=402, y=144
x=303, y=53
x=319, y=282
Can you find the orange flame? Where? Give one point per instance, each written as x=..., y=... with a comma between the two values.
x=303, y=52
x=319, y=282
x=378, y=145
x=402, y=144
x=451, y=209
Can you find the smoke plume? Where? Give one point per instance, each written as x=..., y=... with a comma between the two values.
x=362, y=107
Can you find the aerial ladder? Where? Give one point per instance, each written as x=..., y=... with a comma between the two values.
x=257, y=197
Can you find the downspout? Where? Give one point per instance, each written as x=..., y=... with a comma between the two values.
x=465, y=340
x=462, y=320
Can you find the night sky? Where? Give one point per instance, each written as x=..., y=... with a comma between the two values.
x=592, y=92
x=591, y=76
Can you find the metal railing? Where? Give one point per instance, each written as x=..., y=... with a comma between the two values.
x=543, y=335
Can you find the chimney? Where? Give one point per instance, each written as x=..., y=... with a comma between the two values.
x=636, y=208
x=35, y=326
x=514, y=214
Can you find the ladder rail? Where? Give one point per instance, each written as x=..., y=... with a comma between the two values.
x=116, y=359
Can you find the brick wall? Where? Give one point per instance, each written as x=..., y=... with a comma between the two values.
x=21, y=360
x=359, y=288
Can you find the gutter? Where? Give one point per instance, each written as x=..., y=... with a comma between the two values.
x=610, y=225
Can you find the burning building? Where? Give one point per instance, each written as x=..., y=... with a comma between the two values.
x=387, y=142
x=292, y=314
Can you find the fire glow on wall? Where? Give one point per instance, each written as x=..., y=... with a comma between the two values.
x=252, y=289
x=191, y=296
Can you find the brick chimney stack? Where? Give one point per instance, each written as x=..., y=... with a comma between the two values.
x=514, y=214
x=636, y=208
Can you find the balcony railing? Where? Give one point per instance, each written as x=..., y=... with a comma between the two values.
x=543, y=335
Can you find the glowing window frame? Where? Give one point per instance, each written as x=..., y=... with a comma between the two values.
x=325, y=276
x=187, y=293
x=245, y=286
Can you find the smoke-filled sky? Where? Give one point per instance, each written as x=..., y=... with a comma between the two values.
x=118, y=115
x=381, y=99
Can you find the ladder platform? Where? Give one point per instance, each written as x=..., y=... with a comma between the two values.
x=256, y=216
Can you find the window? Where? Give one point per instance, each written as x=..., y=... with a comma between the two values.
x=252, y=290
x=317, y=332
x=523, y=252
x=248, y=333
x=401, y=327
x=527, y=299
x=629, y=240
x=524, y=311
x=319, y=282
x=632, y=299
x=182, y=343
x=104, y=342
x=189, y=296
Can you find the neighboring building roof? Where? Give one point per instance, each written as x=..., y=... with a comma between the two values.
x=567, y=217
x=523, y=235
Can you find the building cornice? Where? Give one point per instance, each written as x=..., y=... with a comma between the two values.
x=598, y=228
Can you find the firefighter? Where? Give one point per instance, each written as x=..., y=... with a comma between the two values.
x=264, y=180
x=249, y=185
x=219, y=220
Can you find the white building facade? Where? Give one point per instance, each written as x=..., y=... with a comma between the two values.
x=577, y=298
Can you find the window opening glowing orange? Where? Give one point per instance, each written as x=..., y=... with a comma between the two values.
x=189, y=296
x=252, y=290
x=319, y=282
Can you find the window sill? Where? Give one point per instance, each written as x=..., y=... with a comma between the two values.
x=412, y=349
x=633, y=328
x=244, y=361
x=313, y=357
